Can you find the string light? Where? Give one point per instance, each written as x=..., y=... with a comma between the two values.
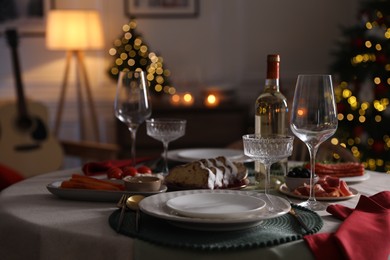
x=130, y=52
x=363, y=94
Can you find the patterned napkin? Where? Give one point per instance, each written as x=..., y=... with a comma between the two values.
x=364, y=234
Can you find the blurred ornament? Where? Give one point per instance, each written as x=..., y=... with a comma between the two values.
x=378, y=146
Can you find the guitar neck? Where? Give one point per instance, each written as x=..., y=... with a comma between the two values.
x=12, y=37
x=21, y=102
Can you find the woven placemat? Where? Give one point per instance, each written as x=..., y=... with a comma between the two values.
x=270, y=232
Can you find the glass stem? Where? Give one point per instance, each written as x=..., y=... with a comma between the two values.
x=133, y=132
x=312, y=152
x=267, y=184
x=165, y=170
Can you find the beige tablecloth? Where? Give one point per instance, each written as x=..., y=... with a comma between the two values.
x=35, y=224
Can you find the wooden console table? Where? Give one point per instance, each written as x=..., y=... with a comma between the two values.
x=206, y=127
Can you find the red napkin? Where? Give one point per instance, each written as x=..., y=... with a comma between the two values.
x=364, y=234
x=8, y=176
x=94, y=168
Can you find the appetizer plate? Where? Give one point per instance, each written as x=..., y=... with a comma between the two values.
x=189, y=155
x=216, y=205
x=156, y=206
x=94, y=195
x=351, y=179
x=286, y=191
x=363, y=177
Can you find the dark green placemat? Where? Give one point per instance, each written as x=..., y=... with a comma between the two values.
x=270, y=232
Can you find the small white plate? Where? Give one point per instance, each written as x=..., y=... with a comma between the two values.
x=189, y=155
x=283, y=189
x=216, y=205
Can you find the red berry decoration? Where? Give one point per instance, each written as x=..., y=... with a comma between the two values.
x=129, y=171
x=114, y=173
x=144, y=169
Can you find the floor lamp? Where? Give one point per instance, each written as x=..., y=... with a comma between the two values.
x=75, y=31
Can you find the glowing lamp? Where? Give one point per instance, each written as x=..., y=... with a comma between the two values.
x=75, y=31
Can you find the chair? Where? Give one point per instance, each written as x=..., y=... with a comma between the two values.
x=88, y=150
x=83, y=150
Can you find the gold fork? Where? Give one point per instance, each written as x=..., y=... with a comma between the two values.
x=122, y=205
x=297, y=216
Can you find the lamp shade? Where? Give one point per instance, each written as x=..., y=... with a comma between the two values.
x=74, y=30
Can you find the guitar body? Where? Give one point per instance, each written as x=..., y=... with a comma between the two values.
x=31, y=150
x=25, y=143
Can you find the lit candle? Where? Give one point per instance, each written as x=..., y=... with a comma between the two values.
x=211, y=100
x=188, y=99
x=175, y=99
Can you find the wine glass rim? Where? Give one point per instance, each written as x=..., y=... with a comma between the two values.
x=269, y=136
x=132, y=71
x=165, y=120
x=314, y=75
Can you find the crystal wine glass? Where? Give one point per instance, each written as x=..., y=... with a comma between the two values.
x=313, y=120
x=165, y=130
x=132, y=102
x=268, y=149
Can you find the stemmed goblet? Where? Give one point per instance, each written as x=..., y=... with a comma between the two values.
x=132, y=102
x=268, y=149
x=165, y=130
x=313, y=120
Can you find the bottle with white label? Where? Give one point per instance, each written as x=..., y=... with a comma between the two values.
x=270, y=118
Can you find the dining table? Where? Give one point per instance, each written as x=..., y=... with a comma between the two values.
x=37, y=224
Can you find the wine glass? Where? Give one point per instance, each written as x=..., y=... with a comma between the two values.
x=313, y=120
x=132, y=102
x=268, y=149
x=165, y=130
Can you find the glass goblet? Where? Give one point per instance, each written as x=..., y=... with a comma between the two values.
x=165, y=130
x=268, y=149
x=313, y=120
x=132, y=102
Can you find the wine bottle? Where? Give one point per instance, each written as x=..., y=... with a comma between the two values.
x=270, y=118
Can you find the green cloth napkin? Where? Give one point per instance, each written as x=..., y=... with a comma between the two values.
x=270, y=232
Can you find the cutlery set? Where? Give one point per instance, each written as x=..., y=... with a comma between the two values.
x=129, y=202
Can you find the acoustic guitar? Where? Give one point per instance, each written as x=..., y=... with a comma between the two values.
x=26, y=145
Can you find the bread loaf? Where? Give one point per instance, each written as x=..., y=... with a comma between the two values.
x=211, y=173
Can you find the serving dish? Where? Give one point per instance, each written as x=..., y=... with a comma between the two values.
x=95, y=195
x=286, y=191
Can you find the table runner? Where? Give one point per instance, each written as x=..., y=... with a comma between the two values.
x=269, y=233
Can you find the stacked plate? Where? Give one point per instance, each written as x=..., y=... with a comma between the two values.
x=213, y=209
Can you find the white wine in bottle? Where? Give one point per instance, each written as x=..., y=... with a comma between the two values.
x=270, y=118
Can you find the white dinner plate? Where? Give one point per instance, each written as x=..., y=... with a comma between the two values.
x=156, y=206
x=189, y=155
x=285, y=190
x=197, y=154
x=216, y=205
x=94, y=195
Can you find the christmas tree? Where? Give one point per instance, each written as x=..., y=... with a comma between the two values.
x=362, y=70
x=130, y=52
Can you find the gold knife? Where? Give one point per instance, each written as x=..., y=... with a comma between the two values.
x=299, y=219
